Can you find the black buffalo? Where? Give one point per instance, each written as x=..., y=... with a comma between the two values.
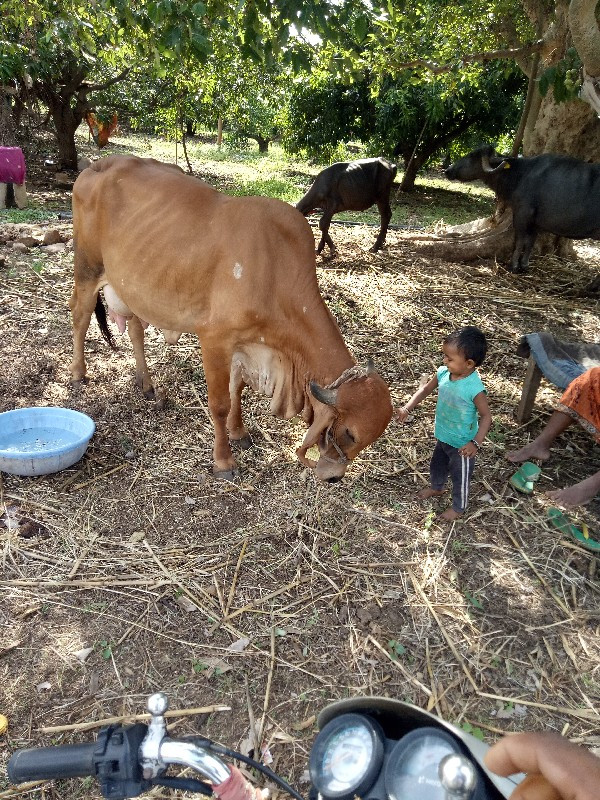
x=552, y=193
x=351, y=186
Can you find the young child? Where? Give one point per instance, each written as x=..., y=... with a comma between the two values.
x=459, y=432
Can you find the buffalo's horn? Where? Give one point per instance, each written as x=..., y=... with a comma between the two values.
x=487, y=167
x=326, y=396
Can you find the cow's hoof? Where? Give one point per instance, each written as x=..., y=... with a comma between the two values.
x=77, y=384
x=149, y=394
x=226, y=475
x=245, y=443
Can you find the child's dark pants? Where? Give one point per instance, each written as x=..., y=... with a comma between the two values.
x=446, y=460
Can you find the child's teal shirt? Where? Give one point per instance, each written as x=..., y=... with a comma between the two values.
x=456, y=418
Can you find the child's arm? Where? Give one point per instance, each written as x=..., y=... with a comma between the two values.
x=485, y=423
x=418, y=397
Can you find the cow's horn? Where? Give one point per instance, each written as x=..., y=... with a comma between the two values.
x=370, y=367
x=326, y=396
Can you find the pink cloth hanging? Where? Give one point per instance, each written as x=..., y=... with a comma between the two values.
x=12, y=165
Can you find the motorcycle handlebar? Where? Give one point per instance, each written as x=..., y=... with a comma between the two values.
x=44, y=763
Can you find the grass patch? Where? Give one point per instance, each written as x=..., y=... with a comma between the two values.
x=246, y=172
x=17, y=215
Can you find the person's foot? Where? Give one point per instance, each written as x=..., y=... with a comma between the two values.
x=451, y=514
x=579, y=494
x=429, y=492
x=531, y=450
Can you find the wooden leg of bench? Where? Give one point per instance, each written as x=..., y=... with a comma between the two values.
x=530, y=386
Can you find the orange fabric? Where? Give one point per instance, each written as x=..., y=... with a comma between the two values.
x=581, y=400
x=101, y=131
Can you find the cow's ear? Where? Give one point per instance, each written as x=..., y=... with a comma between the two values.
x=326, y=396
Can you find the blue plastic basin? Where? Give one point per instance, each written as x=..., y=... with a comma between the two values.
x=41, y=440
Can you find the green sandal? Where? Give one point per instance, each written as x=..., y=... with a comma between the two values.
x=525, y=477
x=564, y=525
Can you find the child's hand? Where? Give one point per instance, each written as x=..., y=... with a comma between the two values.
x=401, y=414
x=468, y=450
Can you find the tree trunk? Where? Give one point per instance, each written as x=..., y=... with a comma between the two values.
x=407, y=183
x=65, y=126
x=67, y=109
x=263, y=144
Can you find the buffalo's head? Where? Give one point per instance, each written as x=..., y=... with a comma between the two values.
x=348, y=415
x=475, y=165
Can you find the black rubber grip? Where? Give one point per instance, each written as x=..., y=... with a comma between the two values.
x=43, y=763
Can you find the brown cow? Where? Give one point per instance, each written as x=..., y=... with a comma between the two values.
x=240, y=273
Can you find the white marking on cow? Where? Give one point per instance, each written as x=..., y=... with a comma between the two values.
x=304, y=309
x=237, y=271
x=262, y=338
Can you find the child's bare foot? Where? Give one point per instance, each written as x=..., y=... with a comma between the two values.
x=531, y=450
x=451, y=514
x=429, y=492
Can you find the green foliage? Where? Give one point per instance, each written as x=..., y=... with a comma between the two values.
x=564, y=77
x=396, y=649
x=473, y=600
x=323, y=114
x=105, y=649
x=431, y=117
x=16, y=215
x=399, y=116
x=473, y=730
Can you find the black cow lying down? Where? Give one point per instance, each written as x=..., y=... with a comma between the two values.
x=351, y=186
x=552, y=193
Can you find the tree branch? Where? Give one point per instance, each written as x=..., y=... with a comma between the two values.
x=98, y=87
x=489, y=55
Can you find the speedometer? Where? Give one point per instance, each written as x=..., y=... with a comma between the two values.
x=346, y=757
x=412, y=770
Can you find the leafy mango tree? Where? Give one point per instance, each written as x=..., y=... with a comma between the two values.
x=60, y=53
x=400, y=117
x=555, y=43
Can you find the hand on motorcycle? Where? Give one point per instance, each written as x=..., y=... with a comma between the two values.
x=556, y=768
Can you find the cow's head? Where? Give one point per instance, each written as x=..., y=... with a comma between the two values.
x=475, y=165
x=349, y=415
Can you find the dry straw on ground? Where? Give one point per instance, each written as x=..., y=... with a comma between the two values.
x=256, y=603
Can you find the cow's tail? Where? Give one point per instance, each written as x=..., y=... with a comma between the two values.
x=103, y=323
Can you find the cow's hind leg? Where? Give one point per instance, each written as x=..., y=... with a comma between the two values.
x=83, y=302
x=324, y=224
x=142, y=374
x=235, y=424
x=217, y=363
x=385, y=212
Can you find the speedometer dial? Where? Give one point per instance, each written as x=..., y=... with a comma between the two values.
x=412, y=768
x=346, y=757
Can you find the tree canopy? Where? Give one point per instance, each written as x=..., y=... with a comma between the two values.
x=62, y=52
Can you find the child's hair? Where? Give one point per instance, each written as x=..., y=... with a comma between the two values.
x=469, y=341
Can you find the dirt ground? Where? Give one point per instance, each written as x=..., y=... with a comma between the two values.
x=258, y=602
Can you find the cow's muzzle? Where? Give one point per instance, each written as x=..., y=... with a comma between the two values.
x=330, y=468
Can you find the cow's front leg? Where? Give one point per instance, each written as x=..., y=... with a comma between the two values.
x=82, y=303
x=142, y=374
x=217, y=364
